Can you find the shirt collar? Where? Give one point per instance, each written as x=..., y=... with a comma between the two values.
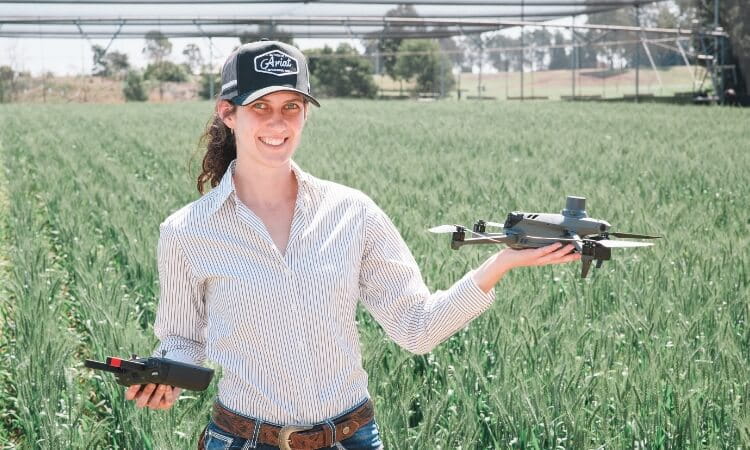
x=226, y=185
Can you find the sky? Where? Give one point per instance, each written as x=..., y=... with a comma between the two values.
x=74, y=56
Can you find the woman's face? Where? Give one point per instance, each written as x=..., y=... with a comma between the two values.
x=268, y=130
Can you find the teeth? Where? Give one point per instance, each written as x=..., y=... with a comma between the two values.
x=272, y=141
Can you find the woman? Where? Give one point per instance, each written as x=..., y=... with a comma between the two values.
x=263, y=274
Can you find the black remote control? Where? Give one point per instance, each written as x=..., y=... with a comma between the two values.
x=155, y=370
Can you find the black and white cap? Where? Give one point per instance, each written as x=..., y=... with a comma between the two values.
x=259, y=68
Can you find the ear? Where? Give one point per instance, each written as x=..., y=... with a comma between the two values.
x=225, y=110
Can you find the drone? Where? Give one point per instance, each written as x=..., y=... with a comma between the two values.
x=591, y=237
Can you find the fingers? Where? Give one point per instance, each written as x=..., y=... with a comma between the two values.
x=132, y=391
x=547, y=249
x=159, y=396
x=558, y=255
x=153, y=396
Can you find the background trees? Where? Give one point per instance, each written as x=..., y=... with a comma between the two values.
x=109, y=63
x=157, y=48
x=340, y=73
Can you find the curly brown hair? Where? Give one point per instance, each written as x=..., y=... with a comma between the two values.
x=221, y=149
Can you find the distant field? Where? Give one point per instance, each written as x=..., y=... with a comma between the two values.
x=651, y=351
x=553, y=84
x=557, y=83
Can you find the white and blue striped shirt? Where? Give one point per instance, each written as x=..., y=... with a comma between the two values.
x=282, y=327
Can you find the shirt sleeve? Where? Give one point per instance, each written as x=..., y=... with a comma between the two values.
x=181, y=315
x=393, y=291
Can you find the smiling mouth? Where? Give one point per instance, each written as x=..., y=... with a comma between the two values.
x=273, y=142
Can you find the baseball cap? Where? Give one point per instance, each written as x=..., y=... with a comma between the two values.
x=259, y=68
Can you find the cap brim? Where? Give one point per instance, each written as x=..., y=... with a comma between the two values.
x=252, y=96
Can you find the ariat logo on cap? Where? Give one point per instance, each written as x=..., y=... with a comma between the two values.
x=276, y=63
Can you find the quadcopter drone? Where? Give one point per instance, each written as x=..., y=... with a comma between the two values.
x=591, y=237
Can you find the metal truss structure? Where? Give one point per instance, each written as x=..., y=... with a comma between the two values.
x=344, y=19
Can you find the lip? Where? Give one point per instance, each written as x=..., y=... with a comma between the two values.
x=274, y=146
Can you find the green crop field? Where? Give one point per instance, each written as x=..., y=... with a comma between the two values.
x=651, y=351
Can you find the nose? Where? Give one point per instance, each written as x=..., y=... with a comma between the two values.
x=277, y=122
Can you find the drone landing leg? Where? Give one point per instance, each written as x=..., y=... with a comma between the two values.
x=585, y=265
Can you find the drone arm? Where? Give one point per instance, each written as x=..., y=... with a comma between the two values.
x=499, y=238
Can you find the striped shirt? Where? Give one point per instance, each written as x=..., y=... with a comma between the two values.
x=282, y=327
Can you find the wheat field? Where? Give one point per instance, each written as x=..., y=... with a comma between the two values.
x=651, y=351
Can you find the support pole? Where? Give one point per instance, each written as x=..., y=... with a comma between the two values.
x=637, y=56
x=523, y=47
x=210, y=67
x=686, y=60
x=573, y=51
x=718, y=57
x=442, y=74
x=507, y=77
x=481, y=61
x=651, y=61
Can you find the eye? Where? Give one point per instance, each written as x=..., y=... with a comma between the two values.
x=260, y=106
x=291, y=106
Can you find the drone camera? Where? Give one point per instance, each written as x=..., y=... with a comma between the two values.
x=512, y=220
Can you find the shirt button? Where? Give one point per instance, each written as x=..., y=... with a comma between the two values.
x=345, y=430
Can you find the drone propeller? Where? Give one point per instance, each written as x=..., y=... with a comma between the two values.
x=622, y=244
x=446, y=229
x=634, y=236
x=494, y=224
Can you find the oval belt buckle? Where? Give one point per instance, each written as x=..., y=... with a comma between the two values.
x=286, y=432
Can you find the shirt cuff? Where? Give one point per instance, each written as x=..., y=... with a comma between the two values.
x=473, y=300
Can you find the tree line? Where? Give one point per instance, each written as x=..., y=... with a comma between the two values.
x=429, y=65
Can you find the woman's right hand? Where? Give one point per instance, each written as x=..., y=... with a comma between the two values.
x=155, y=396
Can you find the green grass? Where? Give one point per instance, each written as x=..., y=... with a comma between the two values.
x=651, y=351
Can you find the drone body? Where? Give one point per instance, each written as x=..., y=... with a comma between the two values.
x=521, y=230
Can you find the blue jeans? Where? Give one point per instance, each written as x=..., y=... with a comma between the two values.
x=366, y=437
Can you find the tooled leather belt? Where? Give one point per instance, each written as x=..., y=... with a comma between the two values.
x=294, y=437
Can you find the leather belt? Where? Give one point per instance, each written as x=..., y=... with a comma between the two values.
x=295, y=437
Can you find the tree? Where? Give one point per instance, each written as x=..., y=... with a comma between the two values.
x=107, y=64
x=165, y=71
x=734, y=17
x=538, y=41
x=558, y=59
x=100, y=66
x=453, y=51
x=193, y=57
x=341, y=73
x=502, y=60
x=619, y=52
x=157, y=49
x=270, y=31
x=7, y=76
x=205, y=85
x=422, y=59
x=380, y=42
x=157, y=46
x=118, y=63
x=133, y=87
